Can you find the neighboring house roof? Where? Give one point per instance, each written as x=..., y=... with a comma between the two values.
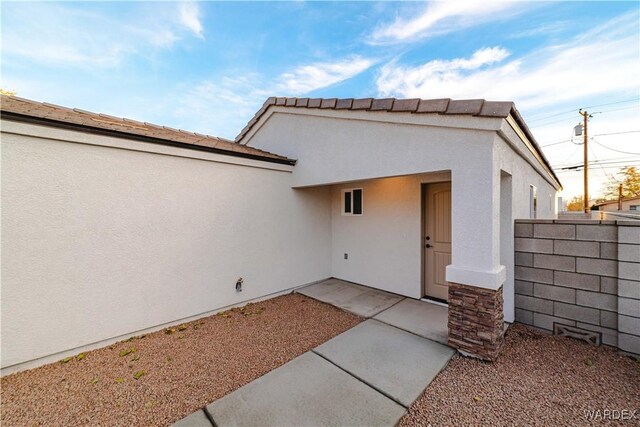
x=624, y=199
x=25, y=110
x=470, y=107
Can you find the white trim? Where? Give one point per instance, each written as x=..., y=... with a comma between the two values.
x=481, y=279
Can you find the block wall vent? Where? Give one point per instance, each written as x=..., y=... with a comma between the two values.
x=591, y=337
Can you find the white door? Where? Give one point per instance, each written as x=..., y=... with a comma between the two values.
x=437, y=241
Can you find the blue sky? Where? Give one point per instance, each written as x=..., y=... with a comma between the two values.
x=208, y=66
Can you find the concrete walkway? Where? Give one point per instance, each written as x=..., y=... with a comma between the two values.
x=366, y=376
x=418, y=317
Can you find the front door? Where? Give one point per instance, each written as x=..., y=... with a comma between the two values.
x=437, y=239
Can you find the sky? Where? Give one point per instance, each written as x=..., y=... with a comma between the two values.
x=208, y=66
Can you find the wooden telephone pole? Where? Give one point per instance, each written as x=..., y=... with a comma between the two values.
x=620, y=197
x=586, y=116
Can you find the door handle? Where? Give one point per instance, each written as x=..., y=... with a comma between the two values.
x=428, y=246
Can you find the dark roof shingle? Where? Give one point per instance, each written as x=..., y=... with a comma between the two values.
x=45, y=113
x=470, y=107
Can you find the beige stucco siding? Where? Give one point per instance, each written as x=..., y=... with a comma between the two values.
x=384, y=244
x=99, y=241
x=334, y=147
x=338, y=149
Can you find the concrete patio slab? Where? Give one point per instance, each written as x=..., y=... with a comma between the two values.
x=197, y=419
x=357, y=299
x=397, y=363
x=419, y=317
x=306, y=391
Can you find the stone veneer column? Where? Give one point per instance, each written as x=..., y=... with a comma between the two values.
x=476, y=320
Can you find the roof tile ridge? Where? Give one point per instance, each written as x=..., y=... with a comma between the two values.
x=25, y=100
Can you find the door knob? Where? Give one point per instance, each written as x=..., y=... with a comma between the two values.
x=428, y=246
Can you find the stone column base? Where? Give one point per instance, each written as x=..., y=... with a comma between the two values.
x=476, y=320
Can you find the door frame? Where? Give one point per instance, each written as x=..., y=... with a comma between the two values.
x=424, y=186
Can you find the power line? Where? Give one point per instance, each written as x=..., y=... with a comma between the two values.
x=612, y=160
x=579, y=168
x=550, y=116
x=599, y=134
x=601, y=162
x=616, y=109
x=613, y=149
x=617, y=133
x=613, y=103
x=568, y=118
x=610, y=177
x=554, y=122
x=577, y=109
x=556, y=143
x=572, y=154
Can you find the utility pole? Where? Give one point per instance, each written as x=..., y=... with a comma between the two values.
x=585, y=116
x=620, y=197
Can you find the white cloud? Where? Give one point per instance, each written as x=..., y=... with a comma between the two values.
x=602, y=62
x=441, y=17
x=307, y=78
x=396, y=80
x=190, y=17
x=222, y=106
x=67, y=36
x=596, y=67
x=537, y=30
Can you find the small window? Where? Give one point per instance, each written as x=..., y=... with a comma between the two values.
x=634, y=208
x=352, y=201
x=533, y=202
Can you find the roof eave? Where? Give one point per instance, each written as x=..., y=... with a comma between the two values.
x=464, y=107
x=7, y=115
x=525, y=129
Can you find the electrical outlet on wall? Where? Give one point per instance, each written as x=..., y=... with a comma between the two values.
x=346, y=256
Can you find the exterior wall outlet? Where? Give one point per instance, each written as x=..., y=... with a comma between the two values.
x=346, y=256
x=239, y=283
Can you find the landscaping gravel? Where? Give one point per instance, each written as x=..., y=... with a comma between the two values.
x=538, y=379
x=179, y=370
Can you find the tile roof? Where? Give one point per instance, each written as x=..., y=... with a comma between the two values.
x=471, y=107
x=12, y=107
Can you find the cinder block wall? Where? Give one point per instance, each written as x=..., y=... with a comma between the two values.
x=580, y=273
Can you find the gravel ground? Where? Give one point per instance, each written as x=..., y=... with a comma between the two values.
x=537, y=380
x=183, y=370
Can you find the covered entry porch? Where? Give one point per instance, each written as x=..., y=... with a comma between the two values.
x=413, y=237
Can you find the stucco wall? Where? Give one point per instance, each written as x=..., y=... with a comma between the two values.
x=384, y=244
x=104, y=237
x=523, y=175
x=99, y=241
x=344, y=146
x=339, y=146
x=351, y=146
